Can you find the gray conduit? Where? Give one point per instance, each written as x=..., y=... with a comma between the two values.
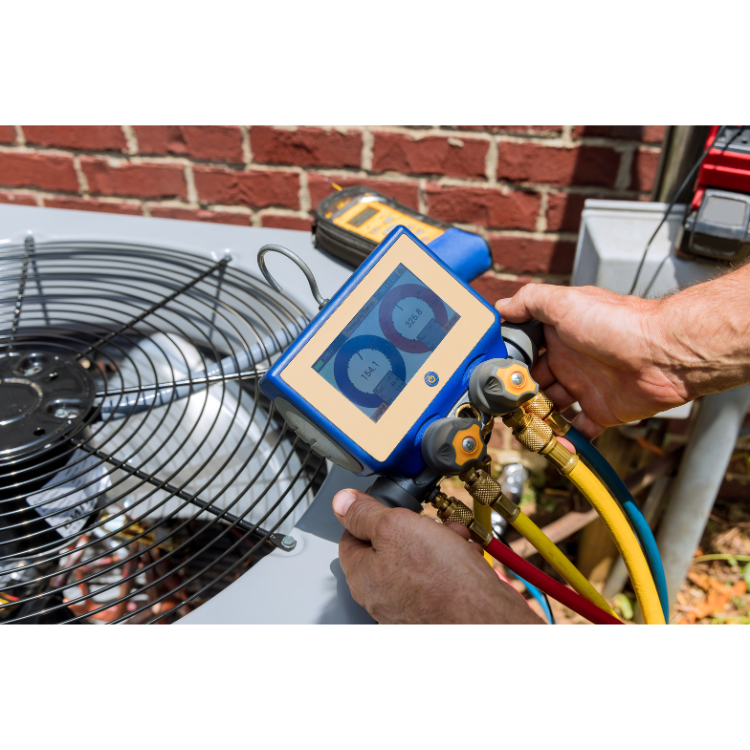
x=697, y=483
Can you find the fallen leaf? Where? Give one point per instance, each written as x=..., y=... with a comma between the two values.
x=717, y=599
x=700, y=579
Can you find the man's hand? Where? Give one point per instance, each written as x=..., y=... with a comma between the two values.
x=605, y=351
x=626, y=358
x=405, y=568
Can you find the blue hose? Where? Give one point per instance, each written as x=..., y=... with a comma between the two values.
x=598, y=464
x=535, y=593
x=542, y=599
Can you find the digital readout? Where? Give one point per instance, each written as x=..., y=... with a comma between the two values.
x=362, y=216
x=384, y=345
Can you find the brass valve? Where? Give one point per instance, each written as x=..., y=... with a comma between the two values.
x=537, y=436
x=486, y=491
x=542, y=406
x=529, y=430
x=450, y=510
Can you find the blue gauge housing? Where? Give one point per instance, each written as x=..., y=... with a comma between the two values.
x=331, y=440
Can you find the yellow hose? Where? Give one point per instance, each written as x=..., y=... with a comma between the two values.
x=645, y=590
x=547, y=549
x=483, y=516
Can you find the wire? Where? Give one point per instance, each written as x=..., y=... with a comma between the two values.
x=643, y=584
x=550, y=586
x=674, y=200
x=549, y=609
x=617, y=487
x=550, y=552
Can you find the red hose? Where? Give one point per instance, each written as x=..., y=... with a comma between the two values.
x=550, y=586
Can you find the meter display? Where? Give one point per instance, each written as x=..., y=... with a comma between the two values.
x=382, y=347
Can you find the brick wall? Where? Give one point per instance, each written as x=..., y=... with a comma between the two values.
x=522, y=188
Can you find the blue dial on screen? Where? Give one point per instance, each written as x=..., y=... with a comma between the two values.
x=369, y=371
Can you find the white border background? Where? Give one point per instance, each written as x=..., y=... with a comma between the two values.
x=287, y=687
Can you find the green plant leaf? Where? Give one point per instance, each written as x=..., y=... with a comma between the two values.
x=623, y=603
x=746, y=576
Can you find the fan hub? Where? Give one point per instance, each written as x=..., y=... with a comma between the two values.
x=44, y=397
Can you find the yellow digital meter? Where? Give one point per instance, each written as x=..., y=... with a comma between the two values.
x=351, y=223
x=374, y=219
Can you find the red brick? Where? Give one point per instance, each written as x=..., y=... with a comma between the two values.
x=200, y=214
x=529, y=255
x=7, y=134
x=533, y=130
x=203, y=142
x=82, y=137
x=17, y=199
x=431, y=155
x=306, y=147
x=140, y=180
x=643, y=170
x=321, y=186
x=488, y=208
x=564, y=212
x=84, y=204
x=279, y=221
x=531, y=162
x=654, y=133
x=47, y=171
x=493, y=288
x=255, y=189
x=644, y=133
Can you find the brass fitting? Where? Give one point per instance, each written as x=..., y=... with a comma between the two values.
x=451, y=510
x=537, y=436
x=529, y=430
x=486, y=491
x=560, y=457
x=542, y=406
x=559, y=424
x=482, y=535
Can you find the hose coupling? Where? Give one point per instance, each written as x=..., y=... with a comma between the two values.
x=559, y=424
x=480, y=534
x=486, y=491
x=450, y=510
x=533, y=433
x=543, y=407
x=540, y=405
x=560, y=457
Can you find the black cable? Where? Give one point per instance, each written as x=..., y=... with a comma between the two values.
x=674, y=200
x=549, y=609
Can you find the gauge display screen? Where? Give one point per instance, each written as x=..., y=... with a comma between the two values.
x=363, y=216
x=383, y=346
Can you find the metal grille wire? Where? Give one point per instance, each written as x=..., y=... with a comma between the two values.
x=179, y=475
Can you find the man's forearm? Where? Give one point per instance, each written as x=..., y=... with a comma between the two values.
x=705, y=331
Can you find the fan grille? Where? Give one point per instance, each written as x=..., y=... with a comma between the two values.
x=141, y=468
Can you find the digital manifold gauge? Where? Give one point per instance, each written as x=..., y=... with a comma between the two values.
x=388, y=355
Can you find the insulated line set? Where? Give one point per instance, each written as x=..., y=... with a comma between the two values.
x=402, y=374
